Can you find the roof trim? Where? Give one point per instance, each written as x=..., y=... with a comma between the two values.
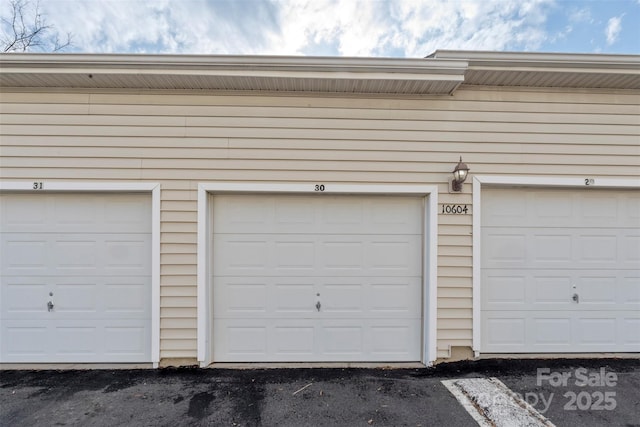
x=577, y=60
x=560, y=70
x=260, y=73
x=439, y=74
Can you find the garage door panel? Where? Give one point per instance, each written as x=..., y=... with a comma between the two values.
x=395, y=296
x=316, y=255
x=503, y=247
x=398, y=339
x=394, y=256
x=598, y=291
x=576, y=248
x=76, y=213
x=94, y=341
x=321, y=213
x=316, y=278
x=296, y=340
x=100, y=254
x=136, y=305
x=296, y=297
x=503, y=289
x=503, y=330
x=551, y=331
x=32, y=342
x=560, y=208
x=20, y=255
x=26, y=340
x=342, y=340
x=26, y=214
x=275, y=340
x=75, y=341
x=239, y=297
x=514, y=289
x=125, y=339
x=563, y=265
x=629, y=330
x=596, y=331
x=559, y=331
x=75, y=297
x=551, y=290
x=240, y=340
x=20, y=296
x=90, y=256
x=631, y=249
x=81, y=254
x=630, y=294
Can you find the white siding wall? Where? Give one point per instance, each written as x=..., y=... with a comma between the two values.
x=182, y=139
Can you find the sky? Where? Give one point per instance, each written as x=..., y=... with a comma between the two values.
x=360, y=28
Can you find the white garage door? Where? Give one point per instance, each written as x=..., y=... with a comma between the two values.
x=560, y=271
x=76, y=278
x=325, y=278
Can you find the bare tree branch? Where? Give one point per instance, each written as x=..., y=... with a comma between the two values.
x=25, y=29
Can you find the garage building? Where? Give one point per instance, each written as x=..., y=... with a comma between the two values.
x=180, y=210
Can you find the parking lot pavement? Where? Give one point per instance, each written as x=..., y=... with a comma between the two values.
x=581, y=393
x=303, y=397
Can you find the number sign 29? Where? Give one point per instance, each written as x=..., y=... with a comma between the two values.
x=455, y=209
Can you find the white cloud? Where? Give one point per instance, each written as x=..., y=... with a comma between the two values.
x=164, y=26
x=581, y=15
x=614, y=26
x=410, y=28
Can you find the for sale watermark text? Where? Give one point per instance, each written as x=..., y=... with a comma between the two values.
x=593, y=398
x=581, y=377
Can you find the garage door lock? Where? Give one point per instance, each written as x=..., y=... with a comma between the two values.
x=576, y=298
x=49, y=306
x=318, y=305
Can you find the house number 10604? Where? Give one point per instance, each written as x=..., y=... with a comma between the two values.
x=455, y=209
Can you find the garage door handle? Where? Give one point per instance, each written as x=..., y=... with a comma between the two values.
x=318, y=305
x=49, y=306
x=576, y=298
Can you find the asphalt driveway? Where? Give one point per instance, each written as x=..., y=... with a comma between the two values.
x=313, y=397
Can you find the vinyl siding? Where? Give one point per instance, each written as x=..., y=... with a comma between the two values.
x=181, y=139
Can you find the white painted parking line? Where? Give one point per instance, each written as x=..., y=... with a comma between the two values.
x=491, y=403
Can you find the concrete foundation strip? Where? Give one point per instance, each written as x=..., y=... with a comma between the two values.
x=493, y=404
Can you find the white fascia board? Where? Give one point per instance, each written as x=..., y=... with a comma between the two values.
x=398, y=69
x=288, y=75
x=476, y=271
x=327, y=188
x=172, y=63
x=202, y=280
x=75, y=186
x=539, y=181
x=155, y=275
x=542, y=60
x=430, y=306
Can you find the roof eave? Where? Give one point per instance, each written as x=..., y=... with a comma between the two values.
x=439, y=74
x=306, y=74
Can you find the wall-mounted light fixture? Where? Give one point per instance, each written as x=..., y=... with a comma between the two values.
x=459, y=176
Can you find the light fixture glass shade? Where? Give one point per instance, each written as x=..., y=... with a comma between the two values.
x=459, y=175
